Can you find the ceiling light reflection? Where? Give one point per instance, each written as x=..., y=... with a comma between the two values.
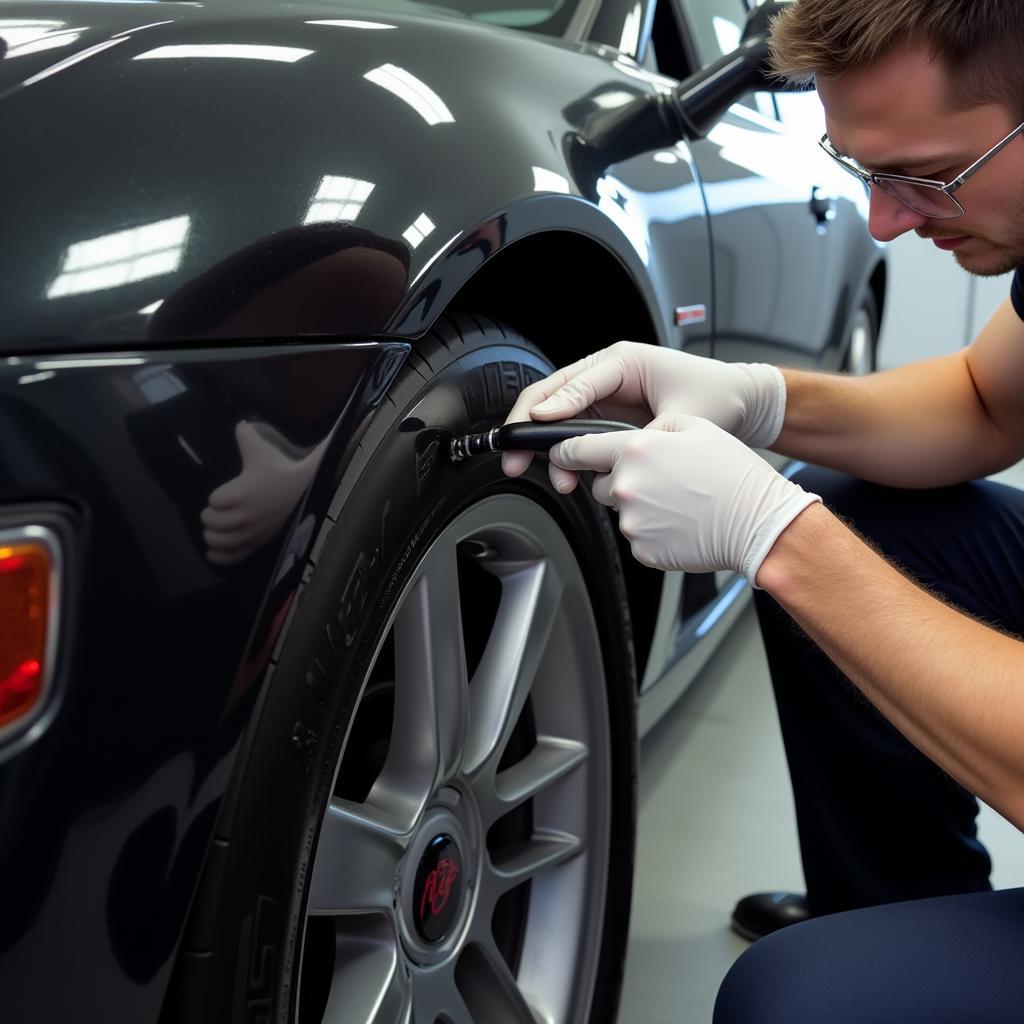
x=122, y=257
x=35, y=378
x=235, y=51
x=75, y=58
x=630, y=41
x=140, y=28
x=418, y=230
x=612, y=100
x=86, y=364
x=548, y=181
x=50, y=41
x=728, y=34
x=17, y=31
x=615, y=202
x=411, y=90
x=338, y=199
x=348, y=23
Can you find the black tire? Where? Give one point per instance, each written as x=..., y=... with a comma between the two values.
x=861, y=355
x=243, y=949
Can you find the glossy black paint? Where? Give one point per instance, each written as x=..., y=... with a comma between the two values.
x=170, y=322
x=227, y=155
x=105, y=819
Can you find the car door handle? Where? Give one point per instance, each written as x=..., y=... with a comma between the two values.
x=822, y=206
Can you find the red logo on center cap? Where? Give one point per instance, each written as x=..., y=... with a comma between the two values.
x=438, y=887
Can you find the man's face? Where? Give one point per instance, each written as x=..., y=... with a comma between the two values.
x=894, y=117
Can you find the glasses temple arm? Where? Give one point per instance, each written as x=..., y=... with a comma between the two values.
x=984, y=159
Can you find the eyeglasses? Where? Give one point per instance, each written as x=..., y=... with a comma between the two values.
x=933, y=199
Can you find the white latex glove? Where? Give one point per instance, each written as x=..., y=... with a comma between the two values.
x=689, y=495
x=635, y=383
x=247, y=511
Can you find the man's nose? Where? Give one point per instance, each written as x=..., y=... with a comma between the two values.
x=889, y=218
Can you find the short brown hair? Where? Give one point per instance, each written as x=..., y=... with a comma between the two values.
x=981, y=42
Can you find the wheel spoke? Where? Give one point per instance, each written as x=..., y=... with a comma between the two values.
x=369, y=985
x=435, y=993
x=489, y=988
x=430, y=688
x=516, y=864
x=540, y=665
x=529, y=604
x=550, y=760
x=356, y=861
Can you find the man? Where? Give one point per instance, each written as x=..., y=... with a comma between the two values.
x=884, y=770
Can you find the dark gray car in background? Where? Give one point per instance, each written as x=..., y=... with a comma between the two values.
x=298, y=720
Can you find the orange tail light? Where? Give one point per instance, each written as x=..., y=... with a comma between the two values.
x=25, y=603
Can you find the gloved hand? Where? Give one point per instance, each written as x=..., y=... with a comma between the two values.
x=635, y=383
x=245, y=512
x=689, y=495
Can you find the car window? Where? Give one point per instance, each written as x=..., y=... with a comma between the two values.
x=690, y=34
x=716, y=27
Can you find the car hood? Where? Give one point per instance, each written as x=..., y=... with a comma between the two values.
x=284, y=188
x=41, y=38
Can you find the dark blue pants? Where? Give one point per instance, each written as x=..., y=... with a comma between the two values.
x=878, y=821
x=950, y=960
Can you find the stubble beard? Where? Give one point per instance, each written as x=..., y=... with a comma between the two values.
x=1004, y=257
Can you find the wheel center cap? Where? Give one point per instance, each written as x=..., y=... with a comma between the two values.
x=437, y=893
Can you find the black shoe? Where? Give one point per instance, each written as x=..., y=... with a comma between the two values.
x=765, y=912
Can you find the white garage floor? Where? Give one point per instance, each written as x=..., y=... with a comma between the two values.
x=716, y=822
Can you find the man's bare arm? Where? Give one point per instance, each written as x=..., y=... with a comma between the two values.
x=950, y=684
x=938, y=422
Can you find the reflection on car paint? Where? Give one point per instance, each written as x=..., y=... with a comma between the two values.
x=27, y=38
x=416, y=233
x=229, y=51
x=71, y=61
x=122, y=257
x=350, y=23
x=549, y=181
x=411, y=90
x=239, y=220
x=338, y=199
x=615, y=200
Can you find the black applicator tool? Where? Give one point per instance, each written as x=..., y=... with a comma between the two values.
x=528, y=437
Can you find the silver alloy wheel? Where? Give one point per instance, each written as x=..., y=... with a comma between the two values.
x=860, y=355
x=447, y=780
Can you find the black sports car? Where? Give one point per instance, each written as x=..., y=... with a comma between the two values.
x=299, y=720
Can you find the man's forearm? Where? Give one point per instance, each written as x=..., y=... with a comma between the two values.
x=950, y=684
x=915, y=426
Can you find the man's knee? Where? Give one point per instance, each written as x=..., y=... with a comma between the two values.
x=807, y=974
x=763, y=987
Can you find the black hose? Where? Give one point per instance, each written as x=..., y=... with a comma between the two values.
x=528, y=437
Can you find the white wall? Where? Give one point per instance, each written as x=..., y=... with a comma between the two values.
x=932, y=306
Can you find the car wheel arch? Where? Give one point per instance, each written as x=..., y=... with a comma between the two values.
x=517, y=287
